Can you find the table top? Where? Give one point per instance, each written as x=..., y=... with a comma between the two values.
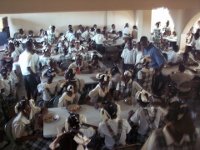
x=92, y=115
x=51, y=129
x=88, y=78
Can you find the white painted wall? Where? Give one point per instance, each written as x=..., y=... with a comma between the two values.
x=36, y=21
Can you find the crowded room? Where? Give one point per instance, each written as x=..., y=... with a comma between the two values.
x=100, y=75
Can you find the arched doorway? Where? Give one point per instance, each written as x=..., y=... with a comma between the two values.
x=192, y=23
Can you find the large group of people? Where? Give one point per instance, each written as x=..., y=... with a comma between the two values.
x=41, y=72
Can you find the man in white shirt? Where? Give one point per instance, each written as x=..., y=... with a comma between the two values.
x=99, y=40
x=129, y=56
x=26, y=63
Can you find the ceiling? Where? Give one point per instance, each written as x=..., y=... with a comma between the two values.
x=28, y=6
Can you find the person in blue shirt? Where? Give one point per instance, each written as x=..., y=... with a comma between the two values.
x=149, y=50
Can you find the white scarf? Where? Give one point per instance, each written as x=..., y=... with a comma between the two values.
x=82, y=141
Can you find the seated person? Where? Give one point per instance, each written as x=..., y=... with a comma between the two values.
x=101, y=91
x=80, y=65
x=70, y=78
x=68, y=97
x=44, y=59
x=124, y=87
x=48, y=89
x=181, y=77
x=112, y=129
x=22, y=125
x=74, y=138
x=99, y=40
x=178, y=132
x=62, y=48
x=54, y=69
x=116, y=77
x=172, y=57
x=95, y=65
x=144, y=116
x=144, y=78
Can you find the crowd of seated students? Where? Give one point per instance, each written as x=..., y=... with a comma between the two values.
x=29, y=70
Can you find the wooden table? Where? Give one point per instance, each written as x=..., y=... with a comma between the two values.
x=92, y=115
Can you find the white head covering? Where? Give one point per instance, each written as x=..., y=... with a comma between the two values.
x=143, y=96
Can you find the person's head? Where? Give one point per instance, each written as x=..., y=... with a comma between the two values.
x=129, y=44
x=120, y=33
x=23, y=107
x=52, y=28
x=95, y=58
x=174, y=33
x=113, y=26
x=79, y=59
x=4, y=72
x=30, y=33
x=73, y=122
x=98, y=31
x=135, y=27
x=94, y=26
x=21, y=31
x=103, y=79
x=143, y=98
x=128, y=75
x=70, y=74
x=126, y=25
x=170, y=90
x=158, y=24
x=167, y=23
x=11, y=47
x=110, y=110
x=77, y=43
x=16, y=43
x=70, y=90
x=179, y=117
x=144, y=42
x=50, y=74
x=29, y=46
x=196, y=35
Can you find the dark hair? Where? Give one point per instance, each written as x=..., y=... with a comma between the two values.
x=28, y=44
x=74, y=121
x=174, y=110
x=21, y=105
x=143, y=39
x=98, y=30
x=69, y=74
x=111, y=108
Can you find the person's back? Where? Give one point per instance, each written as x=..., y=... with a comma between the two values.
x=104, y=132
x=24, y=62
x=67, y=142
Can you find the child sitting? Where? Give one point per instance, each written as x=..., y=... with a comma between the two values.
x=101, y=90
x=68, y=97
x=144, y=116
x=23, y=129
x=74, y=137
x=124, y=87
x=48, y=89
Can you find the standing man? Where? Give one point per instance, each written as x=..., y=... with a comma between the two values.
x=156, y=56
x=25, y=63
